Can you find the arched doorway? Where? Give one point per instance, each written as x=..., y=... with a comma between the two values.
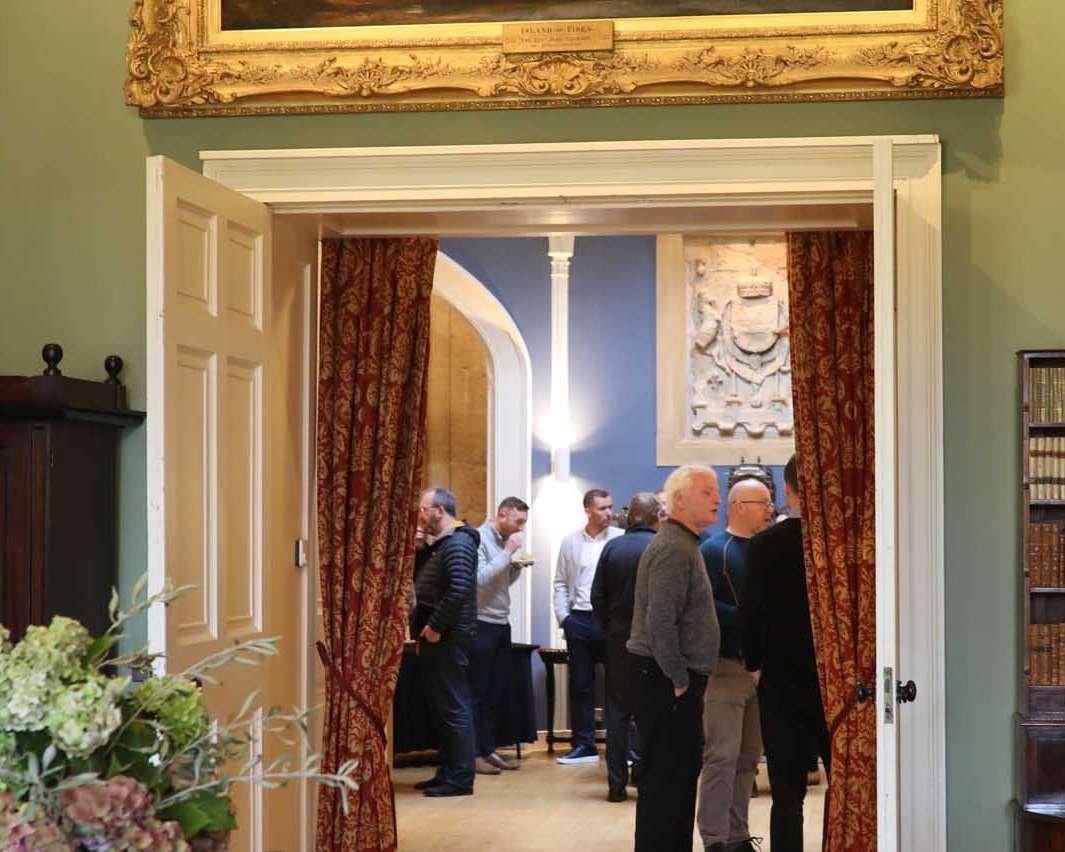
x=509, y=405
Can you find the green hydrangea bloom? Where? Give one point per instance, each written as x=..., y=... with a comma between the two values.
x=177, y=705
x=37, y=668
x=83, y=716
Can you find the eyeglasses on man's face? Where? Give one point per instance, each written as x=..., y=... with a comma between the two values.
x=767, y=504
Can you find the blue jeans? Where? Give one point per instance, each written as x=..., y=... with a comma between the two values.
x=587, y=646
x=447, y=688
x=489, y=676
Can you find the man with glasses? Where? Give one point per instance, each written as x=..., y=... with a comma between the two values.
x=733, y=738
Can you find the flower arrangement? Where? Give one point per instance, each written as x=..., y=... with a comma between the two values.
x=96, y=754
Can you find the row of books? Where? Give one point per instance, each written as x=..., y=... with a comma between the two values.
x=1046, y=655
x=1046, y=555
x=1046, y=467
x=1046, y=388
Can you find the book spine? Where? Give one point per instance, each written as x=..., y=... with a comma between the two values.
x=1035, y=394
x=1039, y=554
x=1057, y=579
x=1059, y=642
x=1031, y=654
x=1057, y=412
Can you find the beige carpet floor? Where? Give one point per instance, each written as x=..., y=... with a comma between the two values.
x=544, y=806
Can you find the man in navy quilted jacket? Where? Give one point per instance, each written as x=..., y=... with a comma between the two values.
x=445, y=622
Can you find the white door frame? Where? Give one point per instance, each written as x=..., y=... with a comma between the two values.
x=552, y=182
x=509, y=406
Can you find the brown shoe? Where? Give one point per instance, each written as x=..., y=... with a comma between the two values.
x=497, y=759
x=483, y=766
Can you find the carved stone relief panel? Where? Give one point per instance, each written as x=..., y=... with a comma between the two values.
x=738, y=381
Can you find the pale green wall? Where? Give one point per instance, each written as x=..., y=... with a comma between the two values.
x=72, y=247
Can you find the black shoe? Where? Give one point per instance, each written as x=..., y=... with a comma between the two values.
x=427, y=783
x=617, y=795
x=715, y=847
x=441, y=790
x=747, y=845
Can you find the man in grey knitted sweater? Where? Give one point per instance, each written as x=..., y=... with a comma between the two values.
x=673, y=647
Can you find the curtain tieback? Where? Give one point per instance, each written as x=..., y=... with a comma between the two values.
x=348, y=687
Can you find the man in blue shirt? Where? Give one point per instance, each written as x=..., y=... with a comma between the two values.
x=733, y=738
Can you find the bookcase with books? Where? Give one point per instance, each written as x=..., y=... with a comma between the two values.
x=1042, y=380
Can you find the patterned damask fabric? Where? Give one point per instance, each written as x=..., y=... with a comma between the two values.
x=830, y=277
x=373, y=370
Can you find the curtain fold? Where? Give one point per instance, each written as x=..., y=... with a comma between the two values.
x=830, y=281
x=372, y=376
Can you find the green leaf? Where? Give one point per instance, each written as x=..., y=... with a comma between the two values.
x=205, y=811
x=100, y=648
x=138, y=736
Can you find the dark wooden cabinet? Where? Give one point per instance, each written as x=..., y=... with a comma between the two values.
x=1042, y=754
x=58, y=512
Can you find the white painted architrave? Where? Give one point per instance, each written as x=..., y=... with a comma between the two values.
x=509, y=407
x=711, y=173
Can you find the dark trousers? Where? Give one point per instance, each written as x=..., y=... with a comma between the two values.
x=671, y=744
x=587, y=646
x=620, y=730
x=794, y=738
x=489, y=675
x=447, y=689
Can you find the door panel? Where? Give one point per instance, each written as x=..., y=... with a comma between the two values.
x=225, y=491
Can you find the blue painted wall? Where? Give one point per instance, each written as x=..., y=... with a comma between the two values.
x=612, y=352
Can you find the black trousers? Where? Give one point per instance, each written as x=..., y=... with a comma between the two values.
x=489, y=676
x=794, y=737
x=444, y=671
x=587, y=646
x=671, y=744
x=620, y=728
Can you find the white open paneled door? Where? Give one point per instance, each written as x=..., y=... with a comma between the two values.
x=886, y=498
x=228, y=337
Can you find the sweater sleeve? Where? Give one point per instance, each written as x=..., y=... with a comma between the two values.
x=563, y=569
x=460, y=567
x=751, y=617
x=665, y=602
x=489, y=569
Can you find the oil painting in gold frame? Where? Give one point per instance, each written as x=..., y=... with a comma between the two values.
x=242, y=57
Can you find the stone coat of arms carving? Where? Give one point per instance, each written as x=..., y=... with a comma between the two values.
x=739, y=358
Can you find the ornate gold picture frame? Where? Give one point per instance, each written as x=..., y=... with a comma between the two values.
x=239, y=57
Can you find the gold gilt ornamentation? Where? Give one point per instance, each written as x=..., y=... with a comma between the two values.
x=180, y=63
x=164, y=70
x=751, y=68
x=967, y=53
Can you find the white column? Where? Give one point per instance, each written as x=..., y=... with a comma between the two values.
x=560, y=249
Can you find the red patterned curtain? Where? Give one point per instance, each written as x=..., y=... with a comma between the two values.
x=830, y=281
x=372, y=373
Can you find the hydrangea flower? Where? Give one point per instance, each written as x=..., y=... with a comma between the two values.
x=119, y=816
x=32, y=672
x=21, y=835
x=83, y=716
x=178, y=706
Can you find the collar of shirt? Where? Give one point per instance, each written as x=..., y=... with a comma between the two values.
x=601, y=537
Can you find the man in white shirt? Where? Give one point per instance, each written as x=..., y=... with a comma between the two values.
x=574, y=575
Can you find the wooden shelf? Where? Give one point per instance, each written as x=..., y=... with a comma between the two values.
x=1046, y=425
x=1047, y=502
x=1046, y=590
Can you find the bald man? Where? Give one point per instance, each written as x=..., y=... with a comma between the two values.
x=731, y=729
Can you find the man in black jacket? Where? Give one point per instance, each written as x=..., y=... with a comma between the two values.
x=445, y=622
x=613, y=593
x=777, y=640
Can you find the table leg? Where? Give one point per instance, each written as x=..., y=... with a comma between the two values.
x=549, y=682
